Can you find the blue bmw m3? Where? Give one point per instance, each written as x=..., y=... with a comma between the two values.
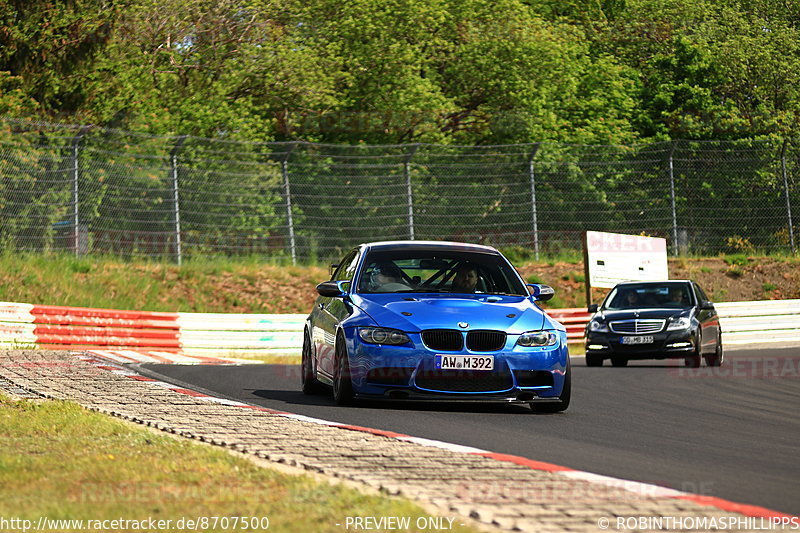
x=420, y=320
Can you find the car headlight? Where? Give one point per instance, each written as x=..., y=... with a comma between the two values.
x=598, y=327
x=537, y=338
x=383, y=336
x=679, y=323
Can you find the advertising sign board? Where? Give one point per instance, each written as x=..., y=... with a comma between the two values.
x=611, y=258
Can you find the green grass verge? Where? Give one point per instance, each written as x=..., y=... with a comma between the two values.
x=215, y=285
x=60, y=461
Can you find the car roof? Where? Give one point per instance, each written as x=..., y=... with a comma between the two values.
x=429, y=245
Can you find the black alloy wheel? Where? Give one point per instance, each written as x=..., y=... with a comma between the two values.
x=719, y=355
x=310, y=383
x=342, y=386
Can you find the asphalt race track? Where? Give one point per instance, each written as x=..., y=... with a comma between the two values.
x=732, y=432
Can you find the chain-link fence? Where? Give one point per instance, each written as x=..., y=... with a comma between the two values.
x=90, y=190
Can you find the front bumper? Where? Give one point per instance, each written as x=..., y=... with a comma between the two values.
x=520, y=375
x=665, y=345
x=411, y=394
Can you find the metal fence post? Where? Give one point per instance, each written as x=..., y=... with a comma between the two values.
x=532, y=176
x=786, y=191
x=672, y=197
x=288, y=191
x=407, y=173
x=76, y=141
x=175, y=200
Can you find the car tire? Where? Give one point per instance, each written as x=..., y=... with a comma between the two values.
x=309, y=382
x=694, y=359
x=619, y=361
x=342, y=385
x=719, y=354
x=563, y=399
x=594, y=359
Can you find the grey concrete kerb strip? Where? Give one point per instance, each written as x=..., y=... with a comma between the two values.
x=497, y=493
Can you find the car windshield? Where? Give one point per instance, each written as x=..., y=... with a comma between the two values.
x=412, y=271
x=666, y=295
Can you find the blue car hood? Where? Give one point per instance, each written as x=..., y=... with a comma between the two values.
x=415, y=312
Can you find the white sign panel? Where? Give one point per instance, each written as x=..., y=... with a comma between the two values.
x=614, y=257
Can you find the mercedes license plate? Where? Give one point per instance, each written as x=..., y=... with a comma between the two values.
x=465, y=362
x=639, y=339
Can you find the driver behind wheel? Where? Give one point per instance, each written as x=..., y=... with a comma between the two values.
x=466, y=278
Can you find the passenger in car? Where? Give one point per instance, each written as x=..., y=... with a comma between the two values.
x=387, y=277
x=678, y=297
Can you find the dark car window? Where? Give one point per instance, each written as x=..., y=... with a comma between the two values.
x=438, y=271
x=700, y=292
x=649, y=295
x=347, y=267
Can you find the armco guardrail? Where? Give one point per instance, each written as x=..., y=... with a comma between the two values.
x=276, y=334
x=760, y=321
x=741, y=322
x=574, y=319
x=58, y=327
x=50, y=326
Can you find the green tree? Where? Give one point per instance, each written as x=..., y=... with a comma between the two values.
x=385, y=56
x=708, y=69
x=210, y=68
x=757, y=46
x=47, y=48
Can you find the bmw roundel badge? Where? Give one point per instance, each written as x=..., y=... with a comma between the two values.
x=463, y=325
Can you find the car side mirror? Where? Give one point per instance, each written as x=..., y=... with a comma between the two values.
x=541, y=292
x=705, y=304
x=592, y=308
x=332, y=289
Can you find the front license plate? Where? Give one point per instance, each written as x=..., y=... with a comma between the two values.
x=465, y=362
x=640, y=339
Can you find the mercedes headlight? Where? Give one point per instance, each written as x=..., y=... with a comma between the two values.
x=537, y=338
x=679, y=323
x=598, y=326
x=383, y=336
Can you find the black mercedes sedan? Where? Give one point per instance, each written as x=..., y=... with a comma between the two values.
x=654, y=320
